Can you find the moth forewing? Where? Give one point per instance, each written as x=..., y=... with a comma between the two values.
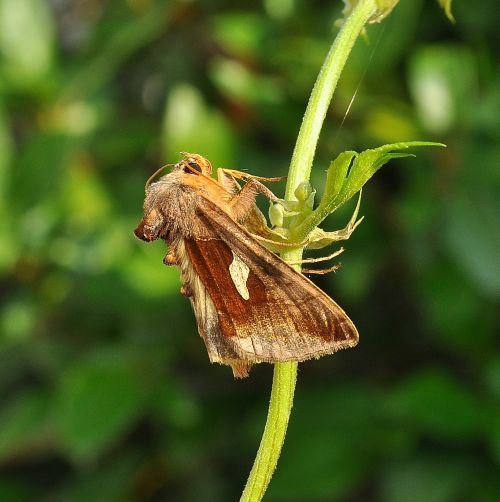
x=250, y=306
x=286, y=316
x=219, y=351
x=239, y=272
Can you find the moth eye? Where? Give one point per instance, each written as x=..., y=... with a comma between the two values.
x=194, y=166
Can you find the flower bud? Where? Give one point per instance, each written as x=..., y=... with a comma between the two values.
x=303, y=191
x=276, y=213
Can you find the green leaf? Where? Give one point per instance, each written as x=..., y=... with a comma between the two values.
x=122, y=38
x=494, y=438
x=446, y=6
x=344, y=179
x=97, y=404
x=367, y=163
x=319, y=239
x=39, y=170
x=239, y=32
x=364, y=167
x=454, y=325
x=191, y=125
x=17, y=321
x=472, y=235
x=6, y=153
x=436, y=404
x=383, y=9
x=24, y=424
x=442, y=79
x=111, y=481
x=337, y=174
x=430, y=478
x=12, y=491
x=26, y=40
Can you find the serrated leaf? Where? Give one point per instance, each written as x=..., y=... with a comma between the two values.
x=343, y=182
x=336, y=174
x=364, y=167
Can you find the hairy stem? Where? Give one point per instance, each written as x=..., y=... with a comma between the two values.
x=321, y=95
x=285, y=374
x=280, y=406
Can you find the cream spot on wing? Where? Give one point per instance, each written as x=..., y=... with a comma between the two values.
x=239, y=274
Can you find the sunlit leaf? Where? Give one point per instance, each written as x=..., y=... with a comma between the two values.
x=239, y=32
x=26, y=40
x=442, y=80
x=446, y=6
x=191, y=125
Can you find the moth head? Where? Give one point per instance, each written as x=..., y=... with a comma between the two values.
x=192, y=163
x=151, y=227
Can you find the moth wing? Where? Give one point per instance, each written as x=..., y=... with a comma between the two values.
x=267, y=311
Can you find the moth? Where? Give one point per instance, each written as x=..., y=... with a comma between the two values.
x=250, y=306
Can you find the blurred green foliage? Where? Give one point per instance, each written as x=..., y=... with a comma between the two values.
x=105, y=388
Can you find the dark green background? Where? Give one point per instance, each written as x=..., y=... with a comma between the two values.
x=106, y=393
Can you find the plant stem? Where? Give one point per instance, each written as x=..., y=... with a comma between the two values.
x=285, y=374
x=321, y=95
x=280, y=406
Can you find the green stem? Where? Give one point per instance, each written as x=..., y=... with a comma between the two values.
x=280, y=406
x=285, y=374
x=321, y=95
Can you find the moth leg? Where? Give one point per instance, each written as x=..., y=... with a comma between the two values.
x=316, y=260
x=226, y=179
x=170, y=258
x=186, y=291
x=345, y=233
x=242, y=203
x=279, y=245
x=321, y=271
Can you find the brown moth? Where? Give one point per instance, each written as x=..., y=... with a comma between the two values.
x=250, y=305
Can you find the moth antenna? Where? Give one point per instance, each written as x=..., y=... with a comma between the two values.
x=153, y=176
x=246, y=176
